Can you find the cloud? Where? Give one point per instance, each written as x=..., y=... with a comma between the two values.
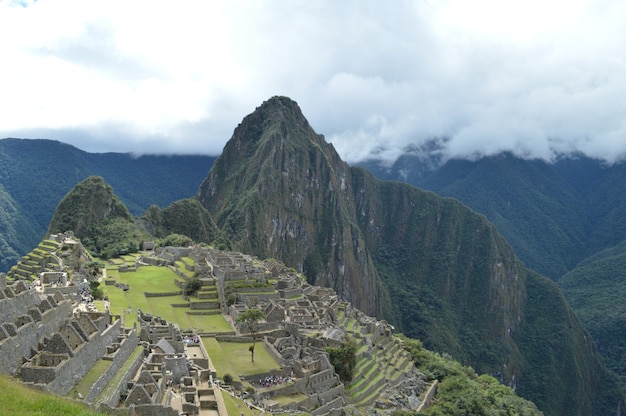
x=538, y=78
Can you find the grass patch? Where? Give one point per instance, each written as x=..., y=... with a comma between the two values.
x=234, y=358
x=292, y=398
x=180, y=266
x=117, y=379
x=236, y=406
x=90, y=378
x=17, y=399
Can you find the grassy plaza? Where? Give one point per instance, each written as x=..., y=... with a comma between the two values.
x=158, y=280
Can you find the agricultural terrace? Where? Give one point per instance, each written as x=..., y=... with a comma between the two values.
x=169, y=304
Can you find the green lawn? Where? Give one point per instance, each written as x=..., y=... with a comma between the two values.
x=17, y=399
x=234, y=358
x=156, y=279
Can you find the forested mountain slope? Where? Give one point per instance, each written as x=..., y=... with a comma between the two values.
x=565, y=219
x=36, y=174
x=431, y=266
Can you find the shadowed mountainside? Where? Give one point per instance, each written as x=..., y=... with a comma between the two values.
x=437, y=270
x=566, y=219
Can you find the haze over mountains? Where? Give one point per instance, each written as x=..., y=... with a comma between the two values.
x=431, y=266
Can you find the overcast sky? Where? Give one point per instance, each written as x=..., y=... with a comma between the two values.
x=537, y=77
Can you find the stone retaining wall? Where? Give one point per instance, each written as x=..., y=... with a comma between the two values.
x=132, y=370
x=126, y=348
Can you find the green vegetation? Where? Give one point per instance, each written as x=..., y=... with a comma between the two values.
x=250, y=319
x=96, y=290
x=462, y=392
x=38, y=173
x=191, y=286
x=158, y=281
x=343, y=358
x=429, y=265
x=232, y=358
x=19, y=400
x=236, y=406
x=565, y=219
x=432, y=267
x=90, y=378
x=596, y=291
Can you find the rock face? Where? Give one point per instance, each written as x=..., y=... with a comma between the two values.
x=431, y=266
x=279, y=190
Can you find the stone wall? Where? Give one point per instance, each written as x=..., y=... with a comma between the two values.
x=113, y=400
x=428, y=398
x=127, y=346
x=74, y=368
x=46, y=320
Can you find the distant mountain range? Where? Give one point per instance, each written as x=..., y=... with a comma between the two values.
x=431, y=266
x=36, y=174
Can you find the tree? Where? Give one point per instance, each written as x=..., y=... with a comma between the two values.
x=343, y=358
x=250, y=318
x=95, y=290
x=191, y=286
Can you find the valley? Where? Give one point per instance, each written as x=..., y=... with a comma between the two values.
x=429, y=266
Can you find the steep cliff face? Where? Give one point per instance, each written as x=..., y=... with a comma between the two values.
x=279, y=190
x=455, y=282
x=431, y=266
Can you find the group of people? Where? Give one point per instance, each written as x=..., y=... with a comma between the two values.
x=271, y=381
x=191, y=339
x=86, y=299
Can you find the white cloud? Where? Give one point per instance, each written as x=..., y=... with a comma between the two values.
x=534, y=77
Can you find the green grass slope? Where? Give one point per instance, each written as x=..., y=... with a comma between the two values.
x=19, y=400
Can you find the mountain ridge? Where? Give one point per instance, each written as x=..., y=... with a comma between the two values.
x=565, y=219
x=35, y=174
x=275, y=188
x=429, y=264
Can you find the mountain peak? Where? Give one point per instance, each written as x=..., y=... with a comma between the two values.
x=279, y=117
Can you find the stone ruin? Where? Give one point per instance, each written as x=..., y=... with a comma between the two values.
x=50, y=346
x=46, y=344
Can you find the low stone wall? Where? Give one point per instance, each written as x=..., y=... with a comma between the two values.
x=121, y=355
x=143, y=410
x=332, y=408
x=161, y=294
x=204, y=305
x=66, y=290
x=428, y=398
x=290, y=293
